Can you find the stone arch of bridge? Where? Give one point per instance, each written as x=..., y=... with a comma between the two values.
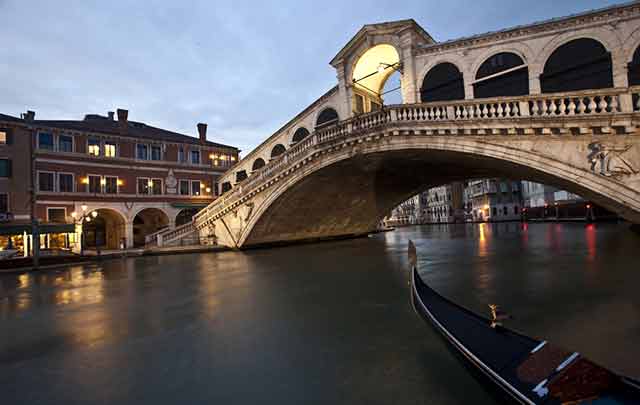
x=308, y=205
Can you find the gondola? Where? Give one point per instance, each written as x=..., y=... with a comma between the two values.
x=523, y=369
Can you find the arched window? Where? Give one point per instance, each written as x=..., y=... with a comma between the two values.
x=443, y=82
x=634, y=69
x=277, y=151
x=257, y=164
x=503, y=74
x=299, y=135
x=580, y=64
x=241, y=175
x=328, y=116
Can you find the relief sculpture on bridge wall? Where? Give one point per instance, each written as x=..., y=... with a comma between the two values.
x=609, y=160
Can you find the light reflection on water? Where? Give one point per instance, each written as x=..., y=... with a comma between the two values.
x=300, y=319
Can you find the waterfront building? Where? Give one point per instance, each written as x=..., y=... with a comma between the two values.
x=537, y=195
x=406, y=213
x=493, y=199
x=444, y=204
x=138, y=179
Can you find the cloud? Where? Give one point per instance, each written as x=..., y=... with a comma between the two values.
x=244, y=67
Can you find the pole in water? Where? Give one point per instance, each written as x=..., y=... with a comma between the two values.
x=412, y=255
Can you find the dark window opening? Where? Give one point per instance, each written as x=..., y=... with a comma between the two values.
x=300, y=134
x=57, y=215
x=277, y=150
x=257, y=164
x=94, y=184
x=580, y=64
x=514, y=83
x=184, y=187
x=443, y=82
x=5, y=167
x=327, y=117
x=45, y=141
x=226, y=186
x=634, y=69
x=65, y=183
x=45, y=181
x=241, y=175
x=65, y=143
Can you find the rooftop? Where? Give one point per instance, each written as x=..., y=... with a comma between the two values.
x=105, y=125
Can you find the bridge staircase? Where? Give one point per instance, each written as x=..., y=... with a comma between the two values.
x=182, y=235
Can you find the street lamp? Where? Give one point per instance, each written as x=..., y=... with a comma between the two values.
x=80, y=219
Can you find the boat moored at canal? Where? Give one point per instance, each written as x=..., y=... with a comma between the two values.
x=527, y=370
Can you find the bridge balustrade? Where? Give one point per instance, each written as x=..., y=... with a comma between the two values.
x=548, y=106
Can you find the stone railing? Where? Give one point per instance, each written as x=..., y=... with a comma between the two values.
x=458, y=113
x=168, y=235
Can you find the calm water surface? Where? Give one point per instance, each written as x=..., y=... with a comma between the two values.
x=324, y=323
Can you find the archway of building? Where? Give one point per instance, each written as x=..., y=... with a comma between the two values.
x=633, y=69
x=105, y=231
x=371, y=72
x=146, y=222
x=503, y=74
x=310, y=205
x=443, y=82
x=580, y=64
x=185, y=215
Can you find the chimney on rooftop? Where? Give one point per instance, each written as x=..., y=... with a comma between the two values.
x=29, y=115
x=202, y=131
x=122, y=119
x=110, y=114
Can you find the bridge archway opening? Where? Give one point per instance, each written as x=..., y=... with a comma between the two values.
x=373, y=183
x=327, y=117
x=257, y=164
x=580, y=64
x=299, y=135
x=371, y=72
x=105, y=230
x=443, y=82
x=277, y=150
x=503, y=74
x=146, y=222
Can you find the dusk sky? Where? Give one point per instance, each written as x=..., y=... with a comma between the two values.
x=243, y=67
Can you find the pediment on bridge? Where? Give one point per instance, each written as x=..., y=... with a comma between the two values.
x=369, y=32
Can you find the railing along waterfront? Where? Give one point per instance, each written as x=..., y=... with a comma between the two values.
x=540, y=106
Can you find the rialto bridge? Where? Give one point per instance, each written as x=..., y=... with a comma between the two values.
x=553, y=102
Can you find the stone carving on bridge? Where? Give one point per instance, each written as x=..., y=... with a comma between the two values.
x=608, y=160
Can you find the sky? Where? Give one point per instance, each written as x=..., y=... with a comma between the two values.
x=243, y=67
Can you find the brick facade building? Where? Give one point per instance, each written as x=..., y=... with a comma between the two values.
x=137, y=178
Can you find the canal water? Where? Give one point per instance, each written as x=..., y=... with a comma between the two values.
x=326, y=323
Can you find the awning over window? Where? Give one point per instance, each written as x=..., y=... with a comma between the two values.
x=19, y=229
